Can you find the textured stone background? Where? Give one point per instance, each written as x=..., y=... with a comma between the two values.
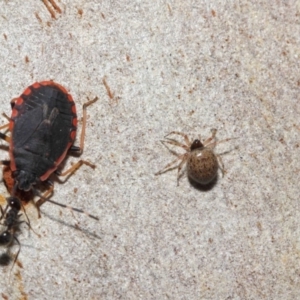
x=159, y=66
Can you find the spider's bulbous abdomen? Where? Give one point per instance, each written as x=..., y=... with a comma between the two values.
x=202, y=166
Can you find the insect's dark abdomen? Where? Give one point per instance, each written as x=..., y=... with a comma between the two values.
x=42, y=127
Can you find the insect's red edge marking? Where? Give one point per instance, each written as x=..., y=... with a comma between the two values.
x=11, y=125
x=47, y=82
x=74, y=122
x=70, y=98
x=19, y=101
x=26, y=92
x=74, y=110
x=52, y=83
x=73, y=135
x=58, y=161
x=48, y=173
x=11, y=146
x=64, y=90
x=12, y=160
x=14, y=113
x=36, y=85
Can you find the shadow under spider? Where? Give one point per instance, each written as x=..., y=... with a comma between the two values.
x=203, y=187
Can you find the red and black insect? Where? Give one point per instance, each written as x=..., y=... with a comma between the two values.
x=43, y=128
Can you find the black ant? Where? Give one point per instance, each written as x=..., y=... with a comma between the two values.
x=12, y=221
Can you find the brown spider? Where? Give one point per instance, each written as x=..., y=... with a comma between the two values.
x=202, y=163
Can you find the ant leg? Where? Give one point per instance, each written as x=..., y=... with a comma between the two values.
x=3, y=211
x=28, y=221
x=17, y=255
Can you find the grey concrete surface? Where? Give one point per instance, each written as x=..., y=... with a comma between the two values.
x=159, y=66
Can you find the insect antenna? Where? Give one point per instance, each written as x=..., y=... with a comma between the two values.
x=64, y=206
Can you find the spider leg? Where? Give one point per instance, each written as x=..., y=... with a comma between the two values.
x=186, y=138
x=169, y=166
x=175, y=143
x=211, y=141
x=183, y=161
x=221, y=164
